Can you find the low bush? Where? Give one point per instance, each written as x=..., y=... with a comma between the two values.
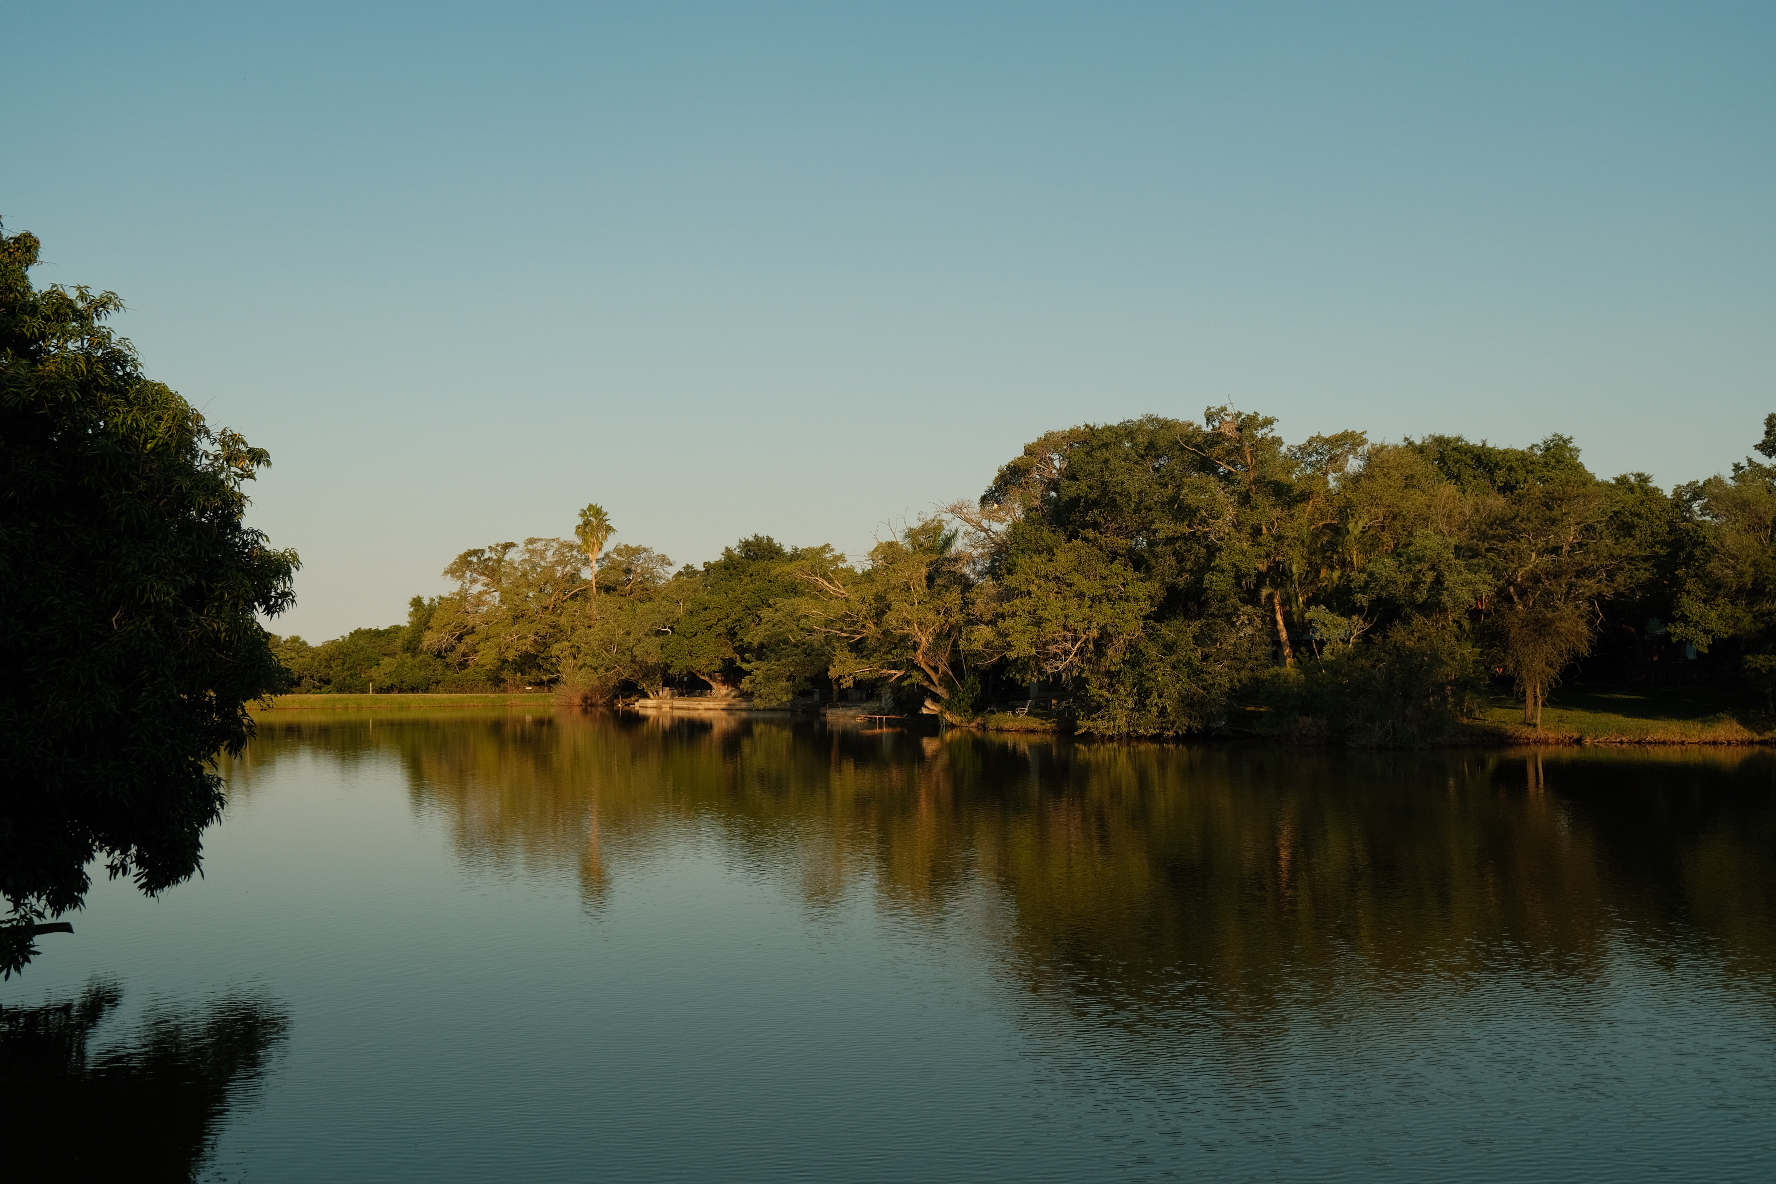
x=1414, y=685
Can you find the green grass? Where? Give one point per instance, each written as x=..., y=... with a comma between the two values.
x=1634, y=715
x=1574, y=715
x=403, y=702
x=1007, y=721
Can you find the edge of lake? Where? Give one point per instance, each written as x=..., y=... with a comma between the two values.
x=1576, y=716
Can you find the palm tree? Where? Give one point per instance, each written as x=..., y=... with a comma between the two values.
x=594, y=531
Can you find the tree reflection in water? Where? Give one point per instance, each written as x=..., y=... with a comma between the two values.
x=144, y=1108
x=1136, y=879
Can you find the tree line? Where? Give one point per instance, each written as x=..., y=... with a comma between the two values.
x=1156, y=577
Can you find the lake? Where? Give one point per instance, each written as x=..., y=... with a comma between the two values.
x=555, y=946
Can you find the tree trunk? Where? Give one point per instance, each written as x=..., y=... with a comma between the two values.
x=1276, y=600
x=1532, y=705
x=719, y=687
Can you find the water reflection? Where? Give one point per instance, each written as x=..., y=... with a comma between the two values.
x=146, y=1106
x=1137, y=879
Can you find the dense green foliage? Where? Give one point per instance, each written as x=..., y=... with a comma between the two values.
x=1157, y=577
x=1726, y=585
x=368, y=660
x=129, y=594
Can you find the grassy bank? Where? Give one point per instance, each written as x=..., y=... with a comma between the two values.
x=402, y=702
x=1633, y=715
x=1576, y=715
x=1009, y=721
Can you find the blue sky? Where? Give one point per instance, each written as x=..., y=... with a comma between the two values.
x=811, y=269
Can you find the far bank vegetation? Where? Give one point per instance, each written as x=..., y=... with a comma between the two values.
x=1156, y=577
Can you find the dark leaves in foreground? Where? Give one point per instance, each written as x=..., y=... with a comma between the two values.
x=131, y=592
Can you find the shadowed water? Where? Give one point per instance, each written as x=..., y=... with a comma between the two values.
x=580, y=947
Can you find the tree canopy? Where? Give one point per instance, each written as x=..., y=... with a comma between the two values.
x=130, y=594
x=1168, y=577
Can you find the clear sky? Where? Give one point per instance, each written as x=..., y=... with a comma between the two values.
x=811, y=269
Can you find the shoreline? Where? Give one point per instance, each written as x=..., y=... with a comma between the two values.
x=1592, y=719
x=397, y=702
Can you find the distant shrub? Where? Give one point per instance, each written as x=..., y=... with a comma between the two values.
x=466, y=682
x=409, y=673
x=1412, y=686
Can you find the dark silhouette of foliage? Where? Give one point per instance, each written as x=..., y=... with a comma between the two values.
x=145, y=1109
x=130, y=591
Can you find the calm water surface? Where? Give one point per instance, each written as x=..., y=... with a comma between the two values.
x=566, y=947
